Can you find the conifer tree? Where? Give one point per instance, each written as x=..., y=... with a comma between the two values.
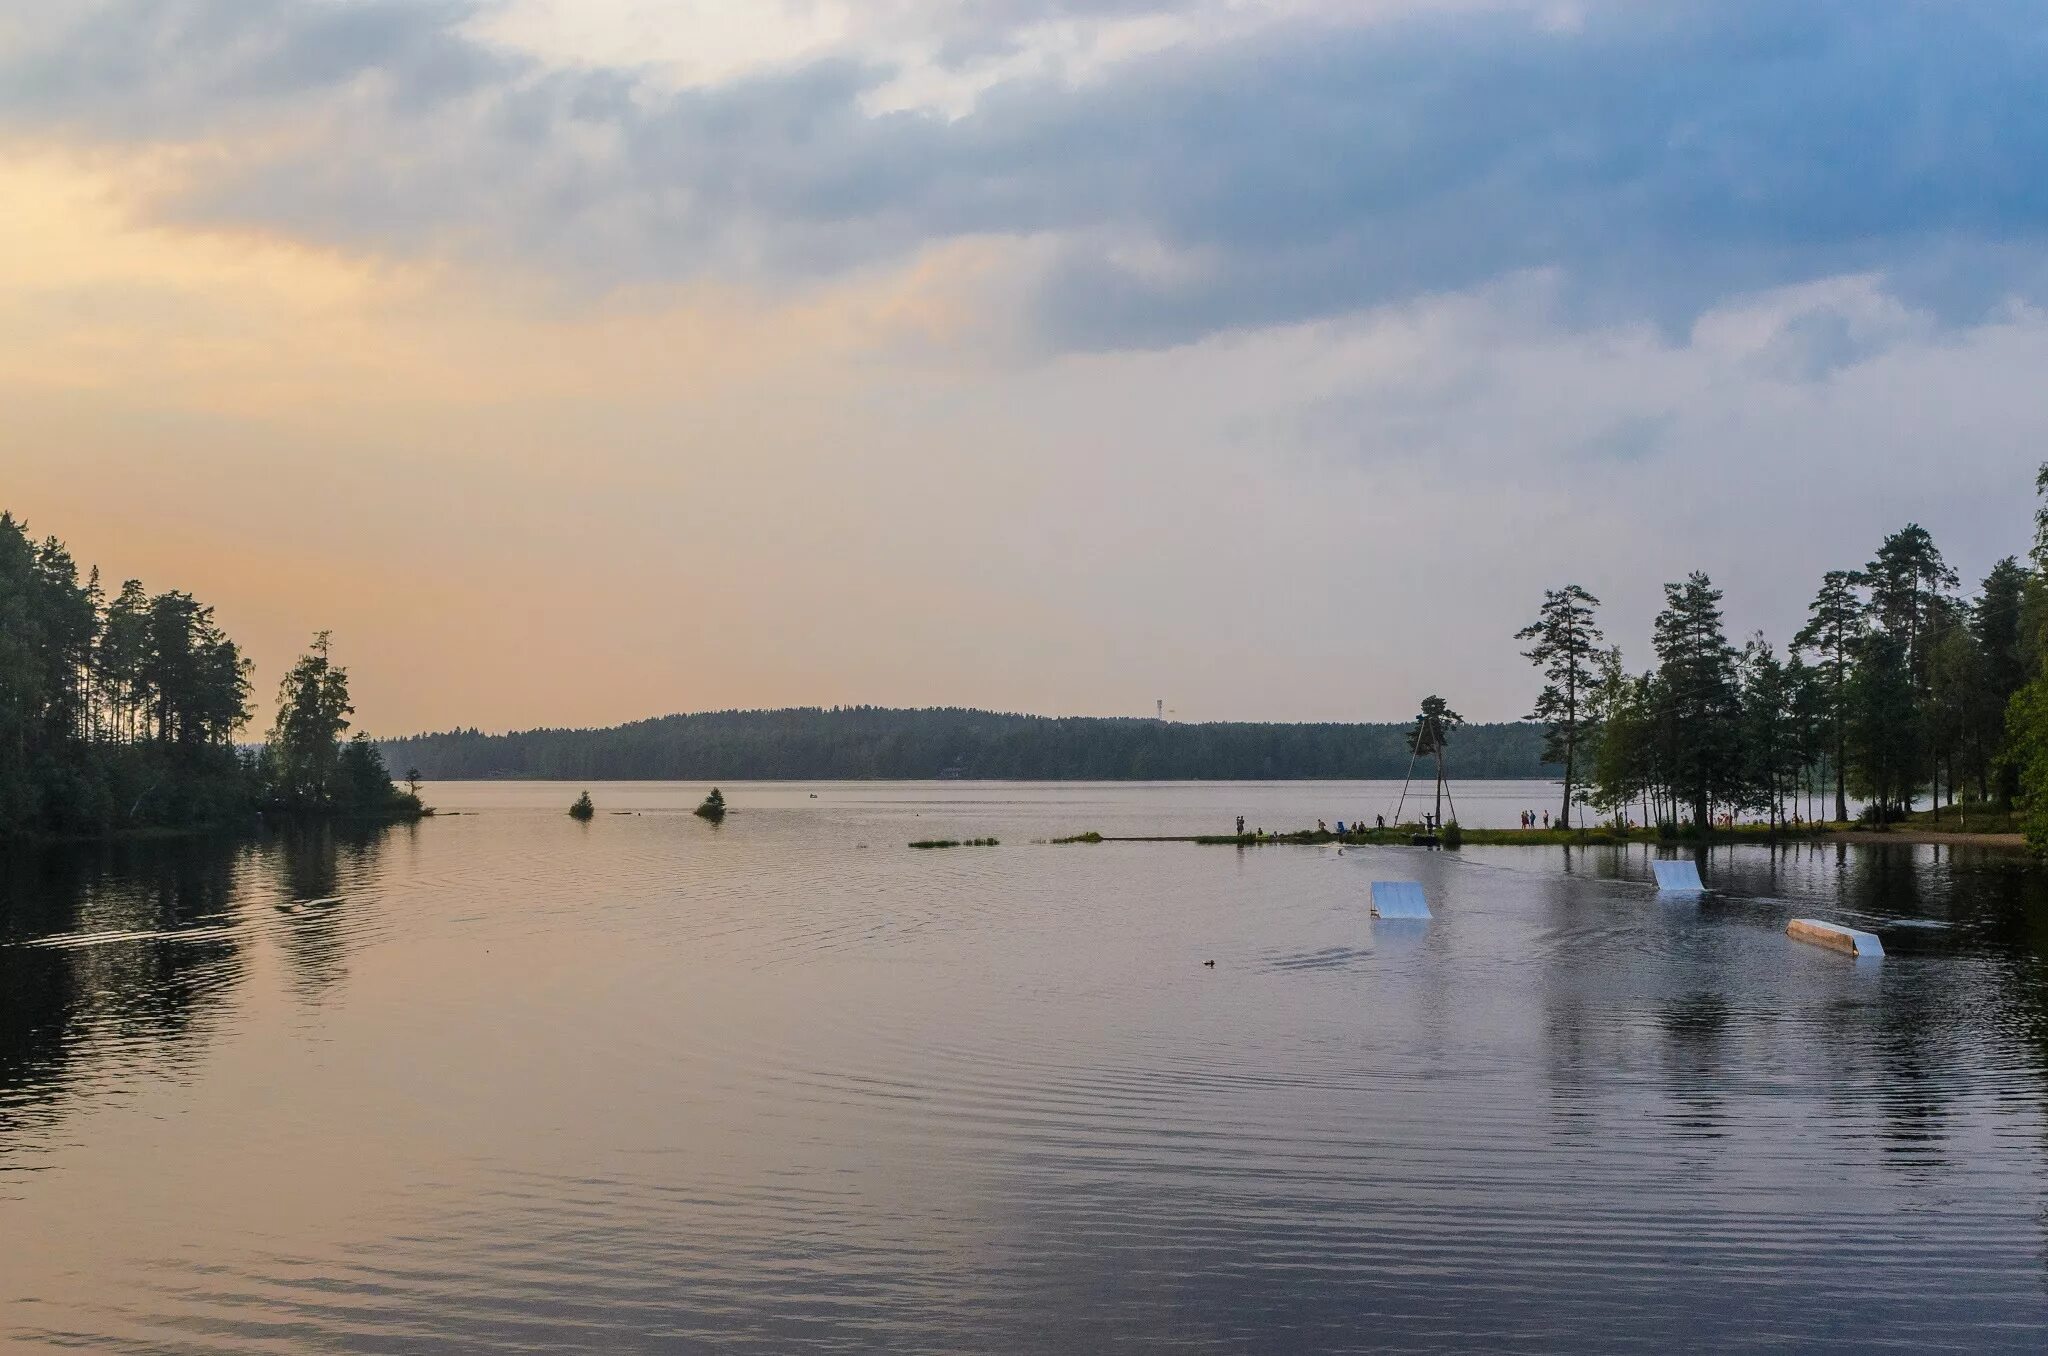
x=1567, y=652
x=1909, y=586
x=1885, y=742
x=305, y=743
x=1701, y=700
x=1997, y=620
x=1835, y=622
x=1770, y=731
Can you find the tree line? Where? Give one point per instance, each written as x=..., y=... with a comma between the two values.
x=122, y=712
x=881, y=743
x=1897, y=687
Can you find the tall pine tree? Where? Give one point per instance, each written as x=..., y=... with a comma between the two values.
x=1701, y=699
x=1834, y=624
x=1567, y=652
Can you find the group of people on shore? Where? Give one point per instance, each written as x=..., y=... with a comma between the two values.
x=1531, y=820
x=1322, y=826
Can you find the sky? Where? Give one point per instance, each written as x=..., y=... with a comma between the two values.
x=576, y=361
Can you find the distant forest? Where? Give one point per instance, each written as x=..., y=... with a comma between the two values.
x=853, y=742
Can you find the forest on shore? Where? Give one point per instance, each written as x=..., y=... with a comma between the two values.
x=121, y=714
x=1897, y=687
x=882, y=743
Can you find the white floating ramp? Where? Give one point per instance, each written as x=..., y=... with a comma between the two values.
x=1835, y=936
x=1680, y=875
x=1398, y=899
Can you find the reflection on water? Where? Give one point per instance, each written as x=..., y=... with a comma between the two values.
x=509, y=1081
x=128, y=1005
x=115, y=958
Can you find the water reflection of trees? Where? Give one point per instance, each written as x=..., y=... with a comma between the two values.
x=58, y=1002
x=154, y=939
x=1696, y=1026
x=324, y=862
x=1896, y=1052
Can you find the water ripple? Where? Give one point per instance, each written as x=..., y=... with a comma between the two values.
x=514, y=1083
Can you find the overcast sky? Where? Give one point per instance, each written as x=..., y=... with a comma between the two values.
x=581, y=360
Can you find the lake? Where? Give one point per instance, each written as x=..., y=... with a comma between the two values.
x=504, y=1081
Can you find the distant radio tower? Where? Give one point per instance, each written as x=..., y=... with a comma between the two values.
x=1160, y=708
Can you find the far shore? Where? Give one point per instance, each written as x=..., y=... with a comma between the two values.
x=1989, y=840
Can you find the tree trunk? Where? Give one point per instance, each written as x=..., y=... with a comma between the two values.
x=1841, y=773
x=1564, y=816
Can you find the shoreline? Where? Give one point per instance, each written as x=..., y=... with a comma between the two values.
x=1746, y=834
x=165, y=833
x=1936, y=837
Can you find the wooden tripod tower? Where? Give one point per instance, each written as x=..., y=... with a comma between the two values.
x=1431, y=727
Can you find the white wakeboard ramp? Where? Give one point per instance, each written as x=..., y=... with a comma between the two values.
x=1398, y=899
x=1677, y=876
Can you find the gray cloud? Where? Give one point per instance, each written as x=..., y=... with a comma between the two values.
x=1655, y=157
x=147, y=71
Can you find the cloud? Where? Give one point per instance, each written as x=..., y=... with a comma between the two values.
x=132, y=69
x=1656, y=157
x=1320, y=519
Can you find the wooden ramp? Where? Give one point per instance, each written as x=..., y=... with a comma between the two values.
x=1835, y=937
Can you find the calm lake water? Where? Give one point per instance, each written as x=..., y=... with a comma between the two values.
x=646, y=1084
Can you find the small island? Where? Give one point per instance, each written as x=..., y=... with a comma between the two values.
x=583, y=809
x=713, y=807
x=122, y=712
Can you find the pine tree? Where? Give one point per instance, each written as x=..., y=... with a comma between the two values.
x=1835, y=621
x=1996, y=619
x=1701, y=702
x=1885, y=742
x=2026, y=733
x=305, y=743
x=2040, y=550
x=1770, y=732
x=1909, y=583
x=1567, y=653
x=1812, y=727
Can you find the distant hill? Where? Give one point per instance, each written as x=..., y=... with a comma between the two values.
x=871, y=742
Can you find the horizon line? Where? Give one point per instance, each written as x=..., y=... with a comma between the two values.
x=902, y=710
